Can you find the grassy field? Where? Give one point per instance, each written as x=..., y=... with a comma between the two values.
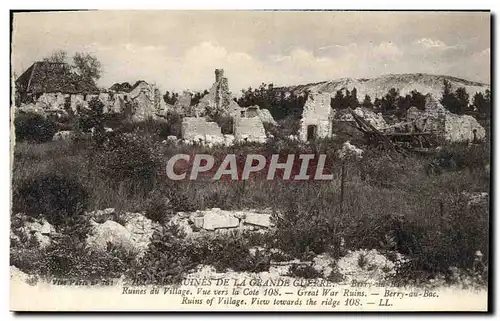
x=413, y=205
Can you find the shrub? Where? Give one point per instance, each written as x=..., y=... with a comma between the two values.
x=170, y=256
x=174, y=125
x=33, y=128
x=290, y=125
x=450, y=239
x=92, y=117
x=165, y=201
x=231, y=252
x=457, y=157
x=156, y=129
x=26, y=259
x=113, y=119
x=166, y=260
x=304, y=228
x=127, y=157
x=381, y=171
x=69, y=258
x=53, y=195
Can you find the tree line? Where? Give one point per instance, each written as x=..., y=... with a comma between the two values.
x=282, y=102
x=391, y=103
x=458, y=101
x=278, y=100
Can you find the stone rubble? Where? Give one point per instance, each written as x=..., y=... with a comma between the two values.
x=376, y=267
x=217, y=220
x=63, y=135
x=323, y=264
x=350, y=151
x=17, y=275
x=133, y=236
x=37, y=228
x=109, y=232
x=374, y=119
x=367, y=265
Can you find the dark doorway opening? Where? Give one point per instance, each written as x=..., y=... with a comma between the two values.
x=67, y=102
x=311, y=132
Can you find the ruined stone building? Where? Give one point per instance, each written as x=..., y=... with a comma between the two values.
x=435, y=118
x=183, y=104
x=218, y=100
x=123, y=87
x=144, y=99
x=198, y=128
x=317, y=117
x=248, y=123
x=49, y=85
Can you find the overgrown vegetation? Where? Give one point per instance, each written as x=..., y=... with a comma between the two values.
x=413, y=205
x=57, y=197
x=33, y=128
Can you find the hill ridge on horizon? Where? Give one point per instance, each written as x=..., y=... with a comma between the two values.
x=376, y=87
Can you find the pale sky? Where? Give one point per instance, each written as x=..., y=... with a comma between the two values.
x=180, y=49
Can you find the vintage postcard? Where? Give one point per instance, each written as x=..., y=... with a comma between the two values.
x=250, y=161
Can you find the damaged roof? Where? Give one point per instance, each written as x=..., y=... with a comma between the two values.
x=51, y=77
x=125, y=86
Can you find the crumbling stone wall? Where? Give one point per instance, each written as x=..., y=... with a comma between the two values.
x=249, y=129
x=422, y=121
x=183, y=104
x=463, y=128
x=58, y=101
x=438, y=120
x=218, y=99
x=117, y=103
x=265, y=116
x=234, y=110
x=77, y=100
x=222, y=96
x=50, y=101
x=194, y=128
x=144, y=107
x=317, y=112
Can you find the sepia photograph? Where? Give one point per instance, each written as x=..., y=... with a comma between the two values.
x=250, y=160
